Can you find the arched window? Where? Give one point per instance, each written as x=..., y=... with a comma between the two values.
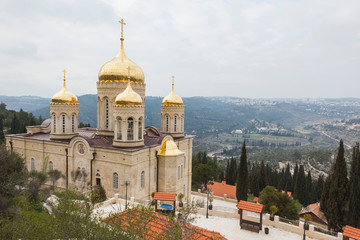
x=54, y=122
x=51, y=166
x=140, y=133
x=115, y=180
x=73, y=123
x=142, y=181
x=32, y=165
x=119, y=133
x=98, y=179
x=184, y=161
x=175, y=123
x=106, y=113
x=130, y=129
x=182, y=171
x=167, y=123
x=178, y=172
x=63, y=123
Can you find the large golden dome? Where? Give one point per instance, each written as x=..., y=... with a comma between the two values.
x=172, y=99
x=128, y=98
x=64, y=96
x=116, y=69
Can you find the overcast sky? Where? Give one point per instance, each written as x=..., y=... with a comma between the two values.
x=252, y=49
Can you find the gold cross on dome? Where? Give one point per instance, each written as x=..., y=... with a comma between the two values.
x=64, y=71
x=172, y=79
x=122, y=27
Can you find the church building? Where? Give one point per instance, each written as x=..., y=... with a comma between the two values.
x=121, y=153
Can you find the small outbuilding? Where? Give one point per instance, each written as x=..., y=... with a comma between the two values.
x=165, y=197
x=250, y=207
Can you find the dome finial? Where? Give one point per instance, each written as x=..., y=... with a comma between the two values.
x=122, y=22
x=64, y=71
x=172, y=82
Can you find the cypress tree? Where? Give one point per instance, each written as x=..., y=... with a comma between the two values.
x=309, y=189
x=300, y=188
x=227, y=174
x=232, y=172
x=296, y=170
x=15, y=124
x=319, y=188
x=325, y=197
x=263, y=177
x=288, y=179
x=242, y=181
x=354, y=187
x=338, y=192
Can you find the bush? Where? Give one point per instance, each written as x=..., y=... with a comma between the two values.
x=98, y=194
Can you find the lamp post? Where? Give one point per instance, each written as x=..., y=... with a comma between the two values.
x=127, y=183
x=304, y=237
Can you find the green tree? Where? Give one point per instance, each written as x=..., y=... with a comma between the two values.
x=15, y=124
x=337, y=192
x=242, y=181
x=319, y=187
x=287, y=208
x=12, y=175
x=300, y=188
x=97, y=194
x=354, y=187
x=203, y=173
x=55, y=175
x=296, y=170
x=309, y=189
x=2, y=135
x=288, y=179
x=263, y=177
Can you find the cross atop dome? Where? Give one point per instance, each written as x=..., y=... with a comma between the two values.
x=122, y=22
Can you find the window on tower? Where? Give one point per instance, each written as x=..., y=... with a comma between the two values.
x=175, y=123
x=115, y=180
x=54, y=123
x=63, y=123
x=167, y=123
x=140, y=132
x=119, y=135
x=73, y=123
x=106, y=113
x=142, y=181
x=130, y=129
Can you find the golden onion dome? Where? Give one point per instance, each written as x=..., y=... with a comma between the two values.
x=169, y=148
x=64, y=96
x=115, y=70
x=128, y=98
x=172, y=99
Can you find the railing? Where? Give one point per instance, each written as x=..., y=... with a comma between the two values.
x=288, y=221
x=326, y=231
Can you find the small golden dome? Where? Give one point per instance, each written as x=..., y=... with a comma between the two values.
x=128, y=98
x=115, y=70
x=64, y=96
x=169, y=148
x=172, y=99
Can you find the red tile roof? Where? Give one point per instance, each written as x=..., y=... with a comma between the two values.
x=351, y=232
x=219, y=189
x=315, y=209
x=152, y=225
x=165, y=196
x=249, y=206
x=256, y=199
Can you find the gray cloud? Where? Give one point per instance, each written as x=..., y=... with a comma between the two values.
x=307, y=48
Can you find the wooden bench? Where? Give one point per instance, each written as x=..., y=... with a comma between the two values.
x=250, y=227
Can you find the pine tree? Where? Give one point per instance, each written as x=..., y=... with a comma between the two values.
x=227, y=173
x=263, y=177
x=354, y=187
x=338, y=192
x=300, y=189
x=319, y=188
x=309, y=189
x=15, y=124
x=242, y=182
x=2, y=135
x=296, y=170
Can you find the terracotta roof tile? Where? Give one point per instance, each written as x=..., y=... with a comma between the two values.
x=351, y=232
x=219, y=189
x=152, y=225
x=165, y=196
x=249, y=206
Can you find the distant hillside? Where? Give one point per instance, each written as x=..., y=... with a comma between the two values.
x=205, y=115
